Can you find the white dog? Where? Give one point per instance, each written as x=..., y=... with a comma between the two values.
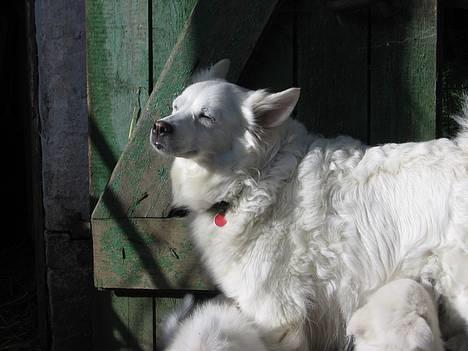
x=400, y=316
x=212, y=326
x=298, y=229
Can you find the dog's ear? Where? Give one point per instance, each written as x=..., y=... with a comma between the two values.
x=218, y=71
x=271, y=110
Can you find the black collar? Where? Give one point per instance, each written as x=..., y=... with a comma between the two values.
x=220, y=207
x=217, y=208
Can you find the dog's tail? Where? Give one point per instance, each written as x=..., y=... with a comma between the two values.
x=462, y=120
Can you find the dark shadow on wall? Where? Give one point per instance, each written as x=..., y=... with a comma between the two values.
x=418, y=70
x=111, y=331
x=23, y=322
x=453, y=67
x=402, y=66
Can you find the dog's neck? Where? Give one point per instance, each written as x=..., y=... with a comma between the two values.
x=219, y=207
x=199, y=186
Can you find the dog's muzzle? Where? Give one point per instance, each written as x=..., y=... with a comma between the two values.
x=159, y=131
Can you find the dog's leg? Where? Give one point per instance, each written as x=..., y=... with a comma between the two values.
x=454, y=312
x=400, y=316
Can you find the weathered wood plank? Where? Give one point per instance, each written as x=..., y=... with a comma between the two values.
x=168, y=20
x=145, y=192
x=122, y=323
x=118, y=81
x=140, y=322
x=332, y=69
x=120, y=337
x=146, y=253
x=403, y=73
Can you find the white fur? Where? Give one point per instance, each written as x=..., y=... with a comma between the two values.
x=172, y=322
x=314, y=225
x=213, y=326
x=455, y=299
x=400, y=316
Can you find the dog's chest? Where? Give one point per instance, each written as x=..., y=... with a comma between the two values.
x=226, y=242
x=251, y=264
x=244, y=259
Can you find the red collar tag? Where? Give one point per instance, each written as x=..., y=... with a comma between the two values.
x=220, y=219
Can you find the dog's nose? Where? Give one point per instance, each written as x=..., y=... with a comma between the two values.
x=161, y=128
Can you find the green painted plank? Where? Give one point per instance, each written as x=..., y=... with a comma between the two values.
x=122, y=323
x=403, y=73
x=120, y=336
x=332, y=69
x=146, y=253
x=118, y=81
x=140, y=181
x=140, y=322
x=168, y=20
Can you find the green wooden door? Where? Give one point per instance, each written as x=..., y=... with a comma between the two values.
x=361, y=73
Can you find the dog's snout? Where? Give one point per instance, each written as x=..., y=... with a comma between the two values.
x=161, y=128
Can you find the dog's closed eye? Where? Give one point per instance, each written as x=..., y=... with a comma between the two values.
x=205, y=114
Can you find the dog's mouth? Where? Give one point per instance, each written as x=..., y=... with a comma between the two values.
x=157, y=144
x=165, y=148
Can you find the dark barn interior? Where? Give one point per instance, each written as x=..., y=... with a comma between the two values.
x=22, y=318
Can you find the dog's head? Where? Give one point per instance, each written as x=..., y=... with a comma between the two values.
x=215, y=121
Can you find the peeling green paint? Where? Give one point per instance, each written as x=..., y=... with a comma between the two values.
x=125, y=267
x=136, y=253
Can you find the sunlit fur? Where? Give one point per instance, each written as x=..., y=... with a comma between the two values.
x=314, y=225
x=212, y=326
x=400, y=316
